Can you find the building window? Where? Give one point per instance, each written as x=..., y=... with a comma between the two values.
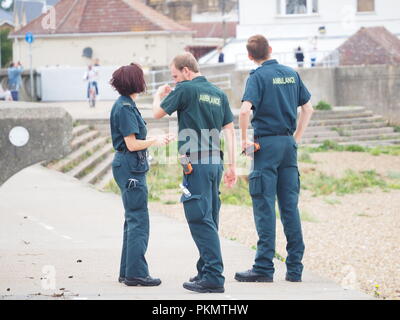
x=297, y=7
x=365, y=5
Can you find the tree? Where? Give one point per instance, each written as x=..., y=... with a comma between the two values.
x=6, y=47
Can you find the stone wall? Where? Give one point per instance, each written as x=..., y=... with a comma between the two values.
x=375, y=87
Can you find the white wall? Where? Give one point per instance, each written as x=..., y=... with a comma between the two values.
x=339, y=17
x=67, y=84
x=111, y=50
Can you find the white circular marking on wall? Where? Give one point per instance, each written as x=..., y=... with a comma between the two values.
x=19, y=136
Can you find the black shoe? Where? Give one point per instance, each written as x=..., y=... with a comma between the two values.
x=121, y=279
x=195, y=278
x=251, y=276
x=288, y=278
x=202, y=287
x=147, y=282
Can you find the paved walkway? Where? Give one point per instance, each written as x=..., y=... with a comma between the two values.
x=60, y=238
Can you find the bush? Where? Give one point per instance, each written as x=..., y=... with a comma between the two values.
x=322, y=105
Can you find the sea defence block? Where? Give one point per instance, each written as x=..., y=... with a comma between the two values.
x=31, y=133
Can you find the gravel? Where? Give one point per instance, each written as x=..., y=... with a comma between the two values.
x=351, y=239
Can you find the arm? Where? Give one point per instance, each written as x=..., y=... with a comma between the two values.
x=244, y=120
x=230, y=177
x=161, y=92
x=304, y=119
x=134, y=144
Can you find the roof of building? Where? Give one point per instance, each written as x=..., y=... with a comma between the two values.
x=375, y=45
x=31, y=9
x=102, y=16
x=212, y=29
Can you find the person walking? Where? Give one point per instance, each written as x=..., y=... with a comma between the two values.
x=203, y=111
x=273, y=92
x=14, y=79
x=299, y=54
x=129, y=167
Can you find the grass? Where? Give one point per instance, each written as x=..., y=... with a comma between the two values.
x=341, y=132
x=323, y=106
x=352, y=182
x=329, y=145
x=305, y=157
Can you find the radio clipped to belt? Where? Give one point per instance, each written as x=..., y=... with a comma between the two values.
x=250, y=150
x=186, y=165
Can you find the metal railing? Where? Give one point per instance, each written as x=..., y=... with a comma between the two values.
x=157, y=78
x=324, y=59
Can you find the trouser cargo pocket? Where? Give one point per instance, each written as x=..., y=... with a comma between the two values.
x=193, y=206
x=255, y=183
x=135, y=194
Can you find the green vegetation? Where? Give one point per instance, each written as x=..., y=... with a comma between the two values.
x=6, y=48
x=396, y=128
x=341, y=132
x=305, y=157
x=351, y=182
x=112, y=187
x=329, y=145
x=323, y=106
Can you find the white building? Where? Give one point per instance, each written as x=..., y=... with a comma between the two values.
x=318, y=26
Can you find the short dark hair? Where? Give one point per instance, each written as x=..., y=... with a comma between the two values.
x=258, y=47
x=186, y=60
x=128, y=80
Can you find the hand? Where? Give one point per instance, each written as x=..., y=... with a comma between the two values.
x=230, y=177
x=247, y=144
x=162, y=140
x=163, y=91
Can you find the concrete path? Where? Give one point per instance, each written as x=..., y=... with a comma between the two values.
x=60, y=238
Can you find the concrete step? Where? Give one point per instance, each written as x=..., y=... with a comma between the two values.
x=100, y=169
x=79, y=154
x=321, y=115
x=94, y=159
x=104, y=180
x=79, y=130
x=371, y=137
x=83, y=139
x=367, y=125
x=352, y=121
x=363, y=132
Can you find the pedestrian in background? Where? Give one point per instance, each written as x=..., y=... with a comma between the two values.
x=299, y=54
x=15, y=79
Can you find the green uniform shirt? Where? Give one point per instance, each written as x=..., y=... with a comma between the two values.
x=203, y=110
x=125, y=120
x=275, y=92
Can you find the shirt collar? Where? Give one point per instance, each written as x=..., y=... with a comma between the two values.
x=268, y=62
x=200, y=78
x=127, y=99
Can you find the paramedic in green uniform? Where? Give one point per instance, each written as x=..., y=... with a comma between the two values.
x=203, y=111
x=274, y=92
x=130, y=165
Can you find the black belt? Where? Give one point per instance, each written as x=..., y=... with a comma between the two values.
x=274, y=135
x=208, y=153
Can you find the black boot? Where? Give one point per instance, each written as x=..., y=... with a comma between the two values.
x=202, y=286
x=251, y=276
x=147, y=282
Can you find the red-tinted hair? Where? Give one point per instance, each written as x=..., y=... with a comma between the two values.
x=128, y=80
